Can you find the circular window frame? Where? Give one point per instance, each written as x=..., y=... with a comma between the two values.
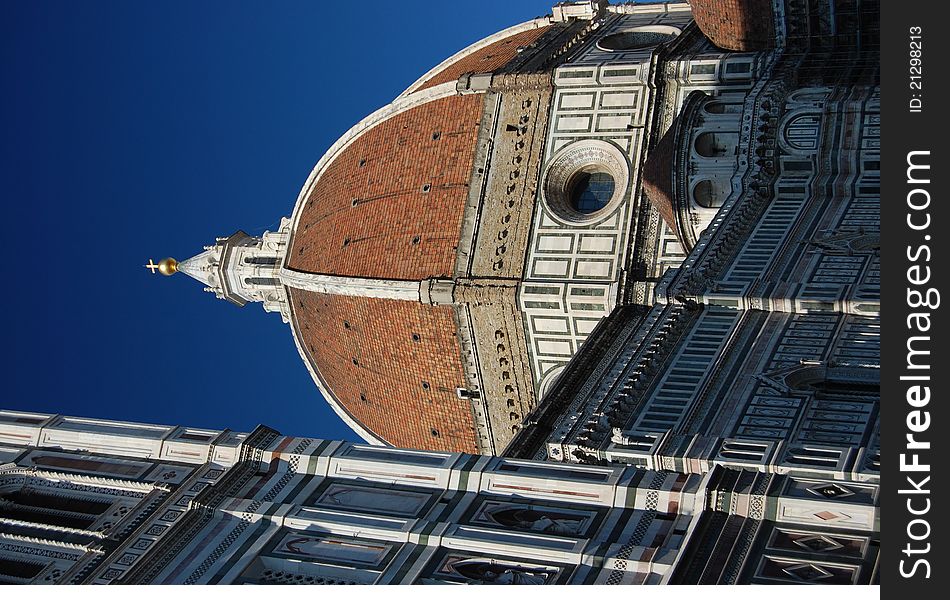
x=585, y=156
x=673, y=32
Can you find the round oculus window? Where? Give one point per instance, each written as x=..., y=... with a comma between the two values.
x=586, y=180
x=591, y=192
x=637, y=39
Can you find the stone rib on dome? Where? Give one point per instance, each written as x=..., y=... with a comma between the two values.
x=390, y=204
x=741, y=25
x=393, y=366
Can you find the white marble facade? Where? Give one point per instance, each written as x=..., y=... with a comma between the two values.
x=265, y=508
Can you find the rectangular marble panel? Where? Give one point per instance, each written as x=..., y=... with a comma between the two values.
x=603, y=244
x=575, y=101
x=555, y=243
x=554, y=347
x=550, y=324
x=613, y=122
x=550, y=268
x=597, y=269
x=618, y=99
x=585, y=326
x=578, y=123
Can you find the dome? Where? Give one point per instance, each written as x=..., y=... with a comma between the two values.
x=390, y=204
x=392, y=366
x=387, y=206
x=667, y=170
x=741, y=25
x=657, y=180
x=484, y=56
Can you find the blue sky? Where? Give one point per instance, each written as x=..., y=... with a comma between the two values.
x=136, y=130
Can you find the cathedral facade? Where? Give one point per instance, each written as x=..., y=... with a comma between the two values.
x=639, y=239
x=86, y=501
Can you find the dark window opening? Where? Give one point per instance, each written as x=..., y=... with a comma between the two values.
x=633, y=40
x=195, y=437
x=722, y=108
x=260, y=281
x=712, y=145
x=797, y=165
x=260, y=260
x=708, y=195
x=31, y=514
x=20, y=569
x=742, y=67
x=28, y=497
x=591, y=192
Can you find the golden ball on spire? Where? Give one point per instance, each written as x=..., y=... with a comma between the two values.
x=168, y=266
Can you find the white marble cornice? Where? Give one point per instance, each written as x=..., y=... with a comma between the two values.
x=361, y=287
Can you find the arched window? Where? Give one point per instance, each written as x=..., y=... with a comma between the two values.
x=722, y=108
x=815, y=95
x=843, y=381
x=802, y=132
x=714, y=145
x=708, y=194
x=636, y=39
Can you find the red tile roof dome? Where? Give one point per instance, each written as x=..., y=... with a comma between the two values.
x=665, y=171
x=392, y=367
x=387, y=202
x=484, y=56
x=741, y=25
x=390, y=203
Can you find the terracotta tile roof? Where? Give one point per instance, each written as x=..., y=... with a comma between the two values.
x=742, y=25
x=393, y=365
x=657, y=179
x=488, y=59
x=390, y=205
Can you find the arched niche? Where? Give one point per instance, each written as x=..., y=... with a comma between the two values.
x=638, y=38
x=722, y=108
x=801, y=132
x=809, y=96
x=709, y=193
x=715, y=144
